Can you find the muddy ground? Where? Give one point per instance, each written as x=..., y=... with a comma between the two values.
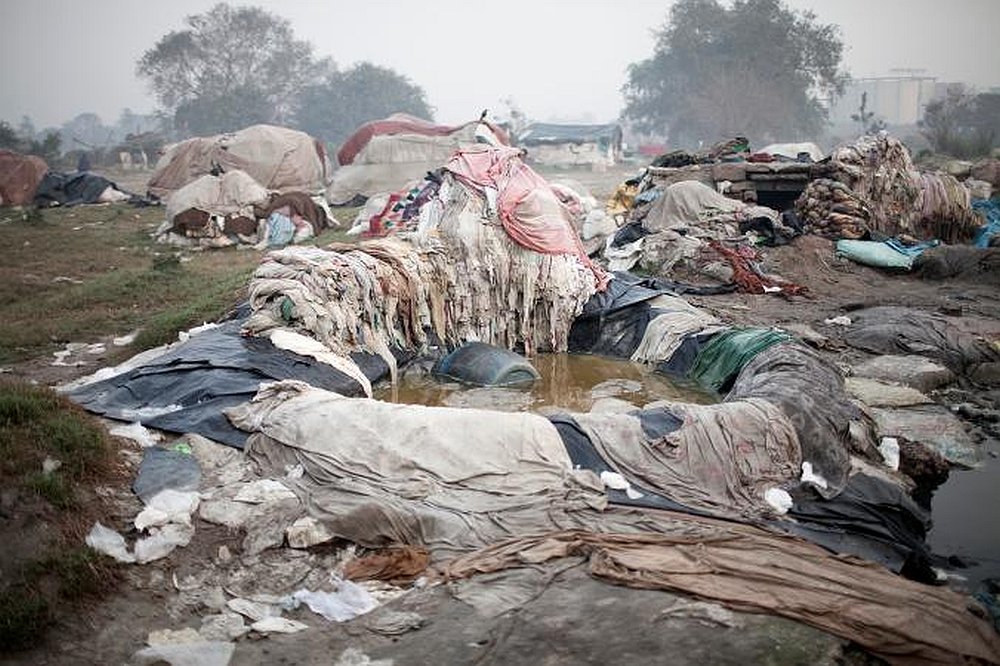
x=563, y=615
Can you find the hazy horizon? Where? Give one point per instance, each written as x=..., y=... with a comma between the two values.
x=557, y=63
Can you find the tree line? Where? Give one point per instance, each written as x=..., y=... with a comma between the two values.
x=752, y=68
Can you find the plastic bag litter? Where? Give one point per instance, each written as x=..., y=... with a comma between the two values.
x=106, y=540
x=278, y=625
x=779, y=500
x=889, y=448
x=205, y=653
x=168, y=506
x=162, y=541
x=349, y=601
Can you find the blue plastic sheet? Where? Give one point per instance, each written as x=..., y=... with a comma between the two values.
x=989, y=209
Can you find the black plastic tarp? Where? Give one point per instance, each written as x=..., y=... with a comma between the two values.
x=188, y=388
x=613, y=321
x=70, y=189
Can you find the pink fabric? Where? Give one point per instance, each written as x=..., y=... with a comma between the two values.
x=529, y=209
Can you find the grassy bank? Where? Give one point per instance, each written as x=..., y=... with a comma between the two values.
x=52, y=455
x=77, y=274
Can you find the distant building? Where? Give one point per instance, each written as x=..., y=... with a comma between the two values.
x=573, y=145
x=897, y=100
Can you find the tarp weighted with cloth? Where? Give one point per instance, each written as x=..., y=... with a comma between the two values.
x=186, y=388
x=810, y=392
x=899, y=330
x=721, y=360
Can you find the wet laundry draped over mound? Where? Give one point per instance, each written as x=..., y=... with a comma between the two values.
x=19, y=177
x=878, y=189
x=717, y=458
x=674, y=231
x=443, y=478
x=277, y=158
x=810, y=392
x=71, y=189
x=386, y=155
x=747, y=569
x=899, y=330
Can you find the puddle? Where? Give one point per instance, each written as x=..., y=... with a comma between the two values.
x=965, y=511
x=570, y=382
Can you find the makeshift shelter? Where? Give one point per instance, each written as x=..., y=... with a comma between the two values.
x=387, y=155
x=278, y=158
x=572, y=145
x=19, y=177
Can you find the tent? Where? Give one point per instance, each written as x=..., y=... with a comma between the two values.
x=19, y=177
x=278, y=158
x=386, y=155
x=573, y=145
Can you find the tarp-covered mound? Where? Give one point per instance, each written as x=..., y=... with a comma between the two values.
x=19, y=177
x=453, y=480
x=485, y=250
x=278, y=158
x=386, y=155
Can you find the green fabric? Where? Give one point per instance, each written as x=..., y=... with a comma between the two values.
x=724, y=356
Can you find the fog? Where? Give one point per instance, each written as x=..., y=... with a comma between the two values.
x=558, y=61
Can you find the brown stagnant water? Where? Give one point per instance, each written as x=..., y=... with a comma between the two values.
x=569, y=382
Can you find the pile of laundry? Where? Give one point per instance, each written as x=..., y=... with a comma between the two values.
x=493, y=238
x=688, y=228
x=233, y=208
x=877, y=189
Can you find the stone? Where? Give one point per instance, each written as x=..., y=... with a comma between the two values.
x=914, y=371
x=306, y=532
x=394, y=623
x=874, y=393
x=205, y=653
x=933, y=426
x=222, y=627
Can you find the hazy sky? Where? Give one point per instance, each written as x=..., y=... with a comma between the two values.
x=558, y=60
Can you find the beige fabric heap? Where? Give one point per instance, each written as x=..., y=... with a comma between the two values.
x=722, y=458
x=232, y=193
x=351, y=300
x=389, y=161
x=278, y=158
x=747, y=569
x=462, y=276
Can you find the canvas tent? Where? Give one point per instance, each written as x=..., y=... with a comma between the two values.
x=386, y=155
x=572, y=145
x=19, y=177
x=278, y=158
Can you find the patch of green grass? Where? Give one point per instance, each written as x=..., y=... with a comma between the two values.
x=24, y=617
x=52, y=487
x=35, y=423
